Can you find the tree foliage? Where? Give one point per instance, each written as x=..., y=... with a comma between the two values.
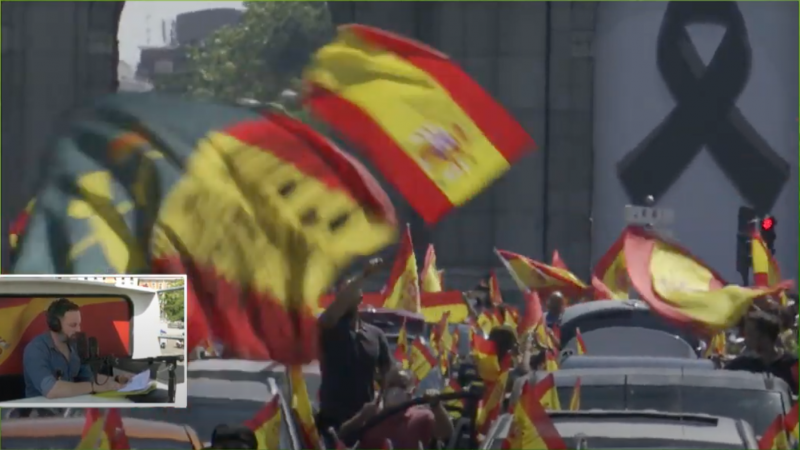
x=172, y=302
x=258, y=58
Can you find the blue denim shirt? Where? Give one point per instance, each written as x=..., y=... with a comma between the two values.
x=42, y=363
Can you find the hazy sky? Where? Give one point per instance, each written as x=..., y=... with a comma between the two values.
x=136, y=16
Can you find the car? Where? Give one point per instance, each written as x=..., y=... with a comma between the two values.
x=754, y=398
x=624, y=327
x=390, y=321
x=637, y=430
x=61, y=432
x=587, y=361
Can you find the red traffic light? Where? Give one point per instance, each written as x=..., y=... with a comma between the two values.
x=767, y=223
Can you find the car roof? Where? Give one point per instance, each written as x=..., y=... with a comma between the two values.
x=241, y=370
x=575, y=362
x=574, y=311
x=43, y=427
x=661, y=376
x=647, y=424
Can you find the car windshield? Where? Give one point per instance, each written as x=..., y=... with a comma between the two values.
x=641, y=318
x=758, y=408
x=62, y=442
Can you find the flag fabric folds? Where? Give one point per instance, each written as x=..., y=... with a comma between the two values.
x=775, y=437
x=266, y=425
x=546, y=393
x=430, y=279
x=429, y=128
x=681, y=288
x=104, y=432
x=301, y=405
x=611, y=272
x=261, y=212
x=766, y=271
x=402, y=290
x=434, y=305
x=495, y=294
x=531, y=427
x=421, y=360
x=537, y=276
x=575, y=400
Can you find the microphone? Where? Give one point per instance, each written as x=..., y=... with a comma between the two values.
x=94, y=349
x=82, y=346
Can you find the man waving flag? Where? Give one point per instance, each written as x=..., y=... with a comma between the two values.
x=261, y=212
x=428, y=127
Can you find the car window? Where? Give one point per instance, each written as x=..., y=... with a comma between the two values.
x=639, y=443
x=759, y=408
x=595, y=397
x=62, y=442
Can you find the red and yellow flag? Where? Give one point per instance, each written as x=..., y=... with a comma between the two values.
x=17, y=226
x=451, y=386
x=421, y=360
x=403, y=286
x=434, y=305
x=537, y=276
x=430, y=129
x=580, y=346
x=531, y=427
x=401, y=350
x=491, y=404
x=547, y=393
x=430, y=277
x=484, y=353
x=681, y=288
x=103, y=432
x=301, y=405
x=533, y=315
x=766, y=271
x=717, y=346
x=611, y=272
x=775, y=437
x=550, y=361
x=266, y=425
x=791, y=426
x=495, y=294
x=575, y=400
x=486, y=321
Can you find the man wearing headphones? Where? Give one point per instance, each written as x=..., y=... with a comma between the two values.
x=51, y=365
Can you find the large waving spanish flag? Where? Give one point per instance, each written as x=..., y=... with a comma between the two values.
x=531, y=427
x=428, y=127
x=681, y=288
x=262, y=213
x=612, y=272
x=266, y=425
x=403, y=287
x=766, y=271
x=430, y=280
x=538, y=276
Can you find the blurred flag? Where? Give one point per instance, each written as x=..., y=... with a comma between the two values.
x=301, y=405
x=403, y=285
x=491, y=404
x=775, y=436
x=611, y=272
x=717, y=346
x=17, y=227
x=557, y=262
x=575, y=401
x=550, y=361
x=547, y=394
x=533, y=314
x=401, y=350
x=537, y=276
x=451, y=386
x=421, y=360
x=766, y=271
x=531, y=427
x=486, y=321
x=261, y=212
x=104, y=432
x=791, y=426
x=266, y=425
x=495, y=294
x=580, y=346
x=485, y=355
x=92, y=435
x=434, y=305
x=432, y=131
x=680, y=288
x=430, y=278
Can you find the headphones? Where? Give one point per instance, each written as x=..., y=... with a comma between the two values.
x=55, y=312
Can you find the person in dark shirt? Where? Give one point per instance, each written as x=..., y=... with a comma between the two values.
x=761, y=332
x=353, y=356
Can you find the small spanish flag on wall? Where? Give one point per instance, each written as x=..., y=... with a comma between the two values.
x=425, y=124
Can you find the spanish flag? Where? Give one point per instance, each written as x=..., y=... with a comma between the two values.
x=495, y=294
x=403, y=286
x=266, y=425
x=429, y=128
x=17, y=226
x=575, y=401
x=492, y=402
x=434, y=305
x=717, y=346
x=680, y=288
x=537, y=276
x=550, y=360
x=486, y=321
x=262, y=213
x=301, y=405
x=421, y=360
x=775, y=437
x=766, y=271
x=457, y=405
x=401, y=350
x=791, y=426
x=612, y=272
x=533, y=314
x=484, y=353
x=430, y=277
x=103, y=432
x=581, y=345
x=531, y=427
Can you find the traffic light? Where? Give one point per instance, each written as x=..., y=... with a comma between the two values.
x=767, y=225
x=747, y=216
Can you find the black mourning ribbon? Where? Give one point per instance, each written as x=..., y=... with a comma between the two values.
x=705, y=114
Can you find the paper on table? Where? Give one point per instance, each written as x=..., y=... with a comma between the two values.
x=139, y=382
